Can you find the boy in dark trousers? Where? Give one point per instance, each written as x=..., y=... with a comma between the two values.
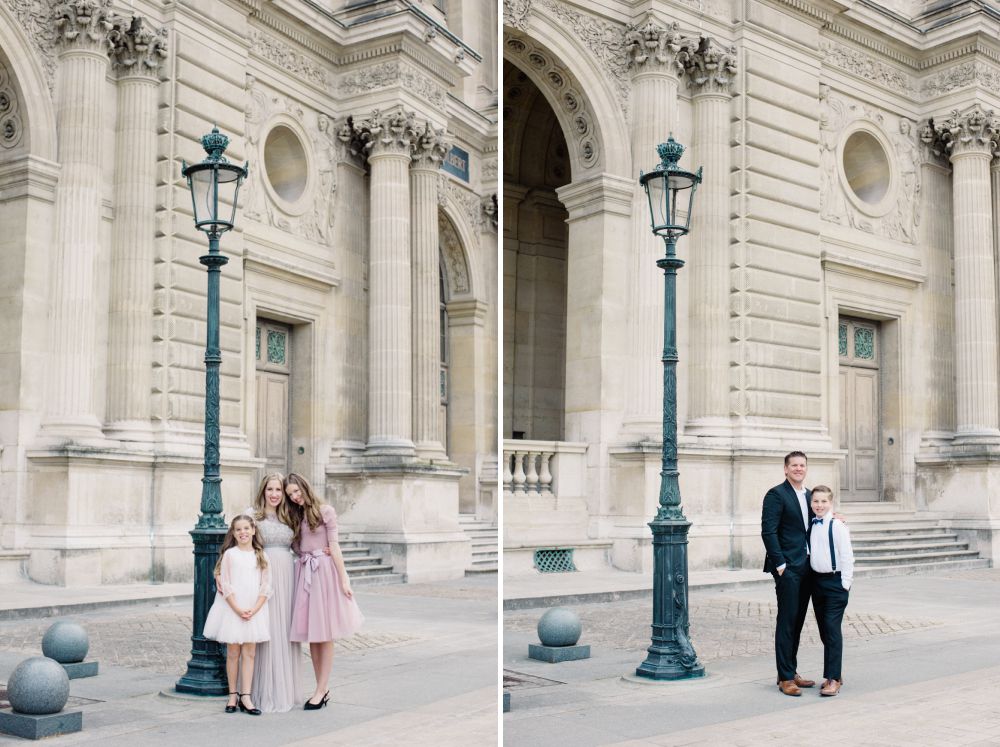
x=832, y=562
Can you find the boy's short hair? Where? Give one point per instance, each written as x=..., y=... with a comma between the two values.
x=792, y=454
x=823, y=489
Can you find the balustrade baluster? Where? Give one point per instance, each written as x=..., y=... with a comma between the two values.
x=519, y=476
x=545, y=474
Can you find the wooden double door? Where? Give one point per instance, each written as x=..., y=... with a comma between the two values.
x=860, y=409
x=273, y=381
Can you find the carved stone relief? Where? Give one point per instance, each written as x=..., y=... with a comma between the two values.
x=453, y=257
x=11, y=126
x=284, y=56
x=388, y=74
x=866, y=66
x=964, y=75
x=316, y=222
x=469, y=202
x=565, y=90
x=651, y=45
x=42, y=33
x=84, y=24
x=515, y=13
x=975, y=130
x=711, y=67
x=138, y=49
x=901, y=220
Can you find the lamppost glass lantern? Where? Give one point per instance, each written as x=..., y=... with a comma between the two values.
x=670, y=655
x=668, y=186
x=215, y=185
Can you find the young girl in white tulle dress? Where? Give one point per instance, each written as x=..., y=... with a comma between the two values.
x=238, y=616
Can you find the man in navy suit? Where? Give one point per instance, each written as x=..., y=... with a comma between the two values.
x=784, y=527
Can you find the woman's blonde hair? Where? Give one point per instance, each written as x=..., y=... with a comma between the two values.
x=260, y=504
x=309, y=510
x=230, y=541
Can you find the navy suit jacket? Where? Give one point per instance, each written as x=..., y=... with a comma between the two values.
x=781, y=527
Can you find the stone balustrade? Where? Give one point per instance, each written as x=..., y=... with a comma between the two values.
x=542, y=468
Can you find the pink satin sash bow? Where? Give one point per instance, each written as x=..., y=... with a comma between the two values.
x=310, y=563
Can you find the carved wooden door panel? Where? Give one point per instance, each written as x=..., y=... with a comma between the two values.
x=860, y=413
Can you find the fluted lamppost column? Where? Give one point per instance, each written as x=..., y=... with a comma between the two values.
x=138, y=54
x=83, y=36
x=656, y=54
x=969, y=139
x=428, y=151
x=389, y=139
x=215, y=185
x=710, y=70
x=670, y=655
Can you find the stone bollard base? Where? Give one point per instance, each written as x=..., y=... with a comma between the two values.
x=506, y=701
x=81, y=669
x=556, y=654
x=28, y=726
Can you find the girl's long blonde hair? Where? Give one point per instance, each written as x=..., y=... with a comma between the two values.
x=259, y=503
x=230, y=541
x=309, y=510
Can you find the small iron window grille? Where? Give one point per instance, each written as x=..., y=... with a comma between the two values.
x=554, y=561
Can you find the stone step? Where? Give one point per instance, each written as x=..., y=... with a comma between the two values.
x=861, y=552
x=906, y=569
x=367, y=568
x=865, y=538
x=910, y=558
x=485, y=555
x=867, y=530
x=377, y=579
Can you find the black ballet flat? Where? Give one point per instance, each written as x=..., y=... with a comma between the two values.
x=232, y=708
x=316, y=706
x=251, y=711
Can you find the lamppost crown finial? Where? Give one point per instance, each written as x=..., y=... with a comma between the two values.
x=670, y=153
x=215, y=143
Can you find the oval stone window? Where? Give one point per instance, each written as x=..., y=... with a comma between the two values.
x=285, y=163
x=866, y=167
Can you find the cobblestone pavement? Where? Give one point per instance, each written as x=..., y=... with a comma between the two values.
x=158, y=640
x=720, y=628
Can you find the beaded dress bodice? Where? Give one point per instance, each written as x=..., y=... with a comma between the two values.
x=273, y=533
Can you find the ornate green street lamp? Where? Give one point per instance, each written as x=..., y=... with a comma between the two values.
x=215, y=185
x=670, y=655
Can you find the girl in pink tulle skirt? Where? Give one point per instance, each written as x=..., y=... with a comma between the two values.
x=323, y=606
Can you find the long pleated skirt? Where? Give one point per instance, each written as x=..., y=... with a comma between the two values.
x=278, y=664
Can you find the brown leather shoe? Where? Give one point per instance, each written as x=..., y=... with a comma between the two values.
x=788, y=687
x=799, y=680
x=831, y=687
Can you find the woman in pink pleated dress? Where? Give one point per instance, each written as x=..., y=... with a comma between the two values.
x=323, y=606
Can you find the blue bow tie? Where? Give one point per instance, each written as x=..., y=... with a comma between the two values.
x=817, y=521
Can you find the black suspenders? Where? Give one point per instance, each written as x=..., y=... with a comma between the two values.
x=833, y=555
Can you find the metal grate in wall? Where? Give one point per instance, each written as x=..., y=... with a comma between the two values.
x=554, y=561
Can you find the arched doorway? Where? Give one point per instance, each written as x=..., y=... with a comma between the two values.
x=536, y=163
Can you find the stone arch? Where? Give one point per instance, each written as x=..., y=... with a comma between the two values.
x=455, y=237
x=29, y=79
x=589, y=107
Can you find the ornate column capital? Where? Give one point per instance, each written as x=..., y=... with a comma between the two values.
x=386, y=133
x=653, y=47
x=973, y=131
x=84, y=25
x=429, y=148
x=711, y=67
x=138, y=49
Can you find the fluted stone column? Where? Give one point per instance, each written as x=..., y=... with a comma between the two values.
x=83, y=38
x=429, y=150
x=710, y=71
x=138, y=53
x=655, y=57
x=969, y=139
x=389, y=138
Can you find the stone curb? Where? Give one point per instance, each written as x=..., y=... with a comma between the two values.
x=56, y=610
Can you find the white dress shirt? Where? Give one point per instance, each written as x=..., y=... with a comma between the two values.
x=801, y=495
x=819, y=555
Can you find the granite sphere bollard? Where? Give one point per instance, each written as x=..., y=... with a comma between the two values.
x=559, y=627
x=559, y=630
x=38, y=686
x=66, y=642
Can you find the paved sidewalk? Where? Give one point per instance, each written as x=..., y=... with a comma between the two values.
x=421, y=672
x=921, y=668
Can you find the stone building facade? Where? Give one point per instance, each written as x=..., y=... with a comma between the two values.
x=840, y=288
x=358, y=308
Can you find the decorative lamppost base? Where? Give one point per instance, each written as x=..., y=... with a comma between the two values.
x=206, y=670
x=671, y=655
